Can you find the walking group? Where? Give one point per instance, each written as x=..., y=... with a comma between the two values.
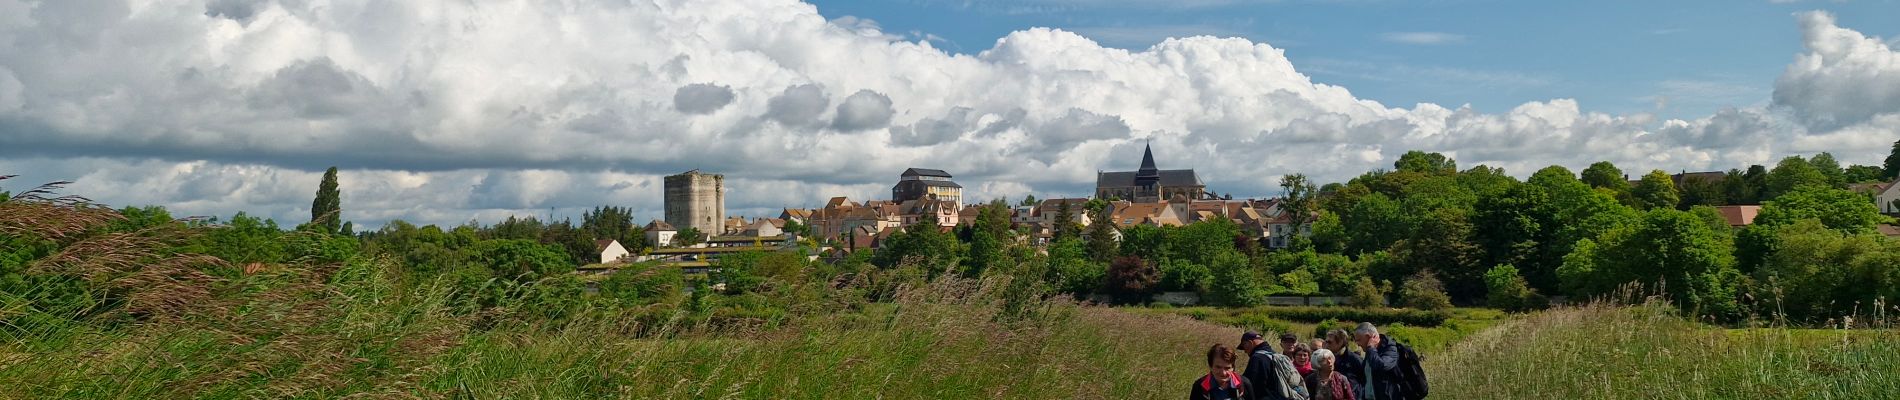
x=1379, y=369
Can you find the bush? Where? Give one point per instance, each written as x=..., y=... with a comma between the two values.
x=1366, y=295
x=1320, y=329
x=1423, y=291
x=1338, y=314
x=1506, y=290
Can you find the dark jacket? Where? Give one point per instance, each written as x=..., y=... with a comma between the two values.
x=1203, y=384
x=1385, y=369
x=1260, y=372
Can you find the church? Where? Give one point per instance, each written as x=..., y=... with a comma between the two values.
x=1149, y=184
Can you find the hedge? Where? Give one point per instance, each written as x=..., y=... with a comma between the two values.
x=1315, y=314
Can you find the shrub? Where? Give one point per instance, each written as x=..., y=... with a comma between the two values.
x=1506, y=290
x=1423, y=291
x=1338, y=314
x=1366, y=295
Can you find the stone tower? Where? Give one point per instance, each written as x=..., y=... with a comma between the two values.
x=696, y=200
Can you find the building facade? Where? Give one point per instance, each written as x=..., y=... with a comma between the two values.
x=696, y=200
x=919, y=183
x=1149, y=184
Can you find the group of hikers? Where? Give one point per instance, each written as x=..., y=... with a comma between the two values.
x=1325, y=369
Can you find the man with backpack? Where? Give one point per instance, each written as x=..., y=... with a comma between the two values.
x=1272, y=374
x=1387, y=369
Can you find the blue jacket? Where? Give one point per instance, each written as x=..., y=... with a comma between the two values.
x=1384, y=360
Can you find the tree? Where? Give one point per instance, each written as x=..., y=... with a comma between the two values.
x=688, y=237
x=1065, y=226
x=1892, y=166
x=1029, y=200
x=1697, y=191
x=1791, y=173
x=1423, y=291
x=1427, y=163
x=1071, y=271
x=1297, y=200
x=1811, y=274
x=1373, y=223
x=607, y=222
x=1739, y=188
x=1365, y=294
x=1655, y=191
x=1865, y=174
x=1101, y=238
x=1829, y=168
x=1235, y=282
x=1605, y=175
x=923, y=243
x=326, y=212
x=1512, y=228
x=987, y=241
x=522, y=260
x=1442, y=243
x=1838, y=209
x=1131, y=279
x=1506, y=290
x=1668, y=250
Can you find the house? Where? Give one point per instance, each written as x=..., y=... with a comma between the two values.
x=1127, y=214
x=920, y=183
x=660, y=234
x=799, y=215
x=1889, y=199
x=764, y=227
x=1738, y=216
x=610, y=250
x=1280, y=231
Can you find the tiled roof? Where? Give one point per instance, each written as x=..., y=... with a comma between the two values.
x=601, y=245
x=1738, y=215
x=1169, y=177
x=925, y=172
x=658, y=225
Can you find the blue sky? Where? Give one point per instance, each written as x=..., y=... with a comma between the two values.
x=1613, y=56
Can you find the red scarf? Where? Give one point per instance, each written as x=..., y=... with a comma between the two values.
x=1207, y=383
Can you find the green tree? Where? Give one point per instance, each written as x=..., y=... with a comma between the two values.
x=1670, y=250
x=607, y=222
x=688, y=237
x=1442, y=243
x=1365, y=294
x=1101, y=233
x=1741, y=188
x=1373, y=223
x=1427, y=163
x=1865, y=174
x=1811, y=275
x=1696, y=191
x=1297, y=200
x=1605, y=175
x=1235, y=282
x=1329, y=233
x=326, y=212
x=1829, y=168
x=988, y=239
x=1838, y=209
x=1149, y=242
x=1071, y=271
x=1791, y=173
x=1065, y=225
x=522, y=260
x=1892, y=165
x=1655, y=191
x=923, y=244
x=1424, y=291
x=1028, y=200
x=1506, y=290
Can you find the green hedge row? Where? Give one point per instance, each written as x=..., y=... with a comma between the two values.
x=1375, y=316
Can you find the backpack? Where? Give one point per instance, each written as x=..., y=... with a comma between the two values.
x=1411, y=373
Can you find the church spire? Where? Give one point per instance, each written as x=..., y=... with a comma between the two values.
x=1148, y=162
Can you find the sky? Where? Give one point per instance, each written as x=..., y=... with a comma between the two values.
x=446, y=111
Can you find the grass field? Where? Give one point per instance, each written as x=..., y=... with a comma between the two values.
x=361, y=334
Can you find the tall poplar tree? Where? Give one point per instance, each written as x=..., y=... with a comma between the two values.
x=326, y=212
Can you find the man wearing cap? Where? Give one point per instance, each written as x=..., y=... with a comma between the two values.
x=1272, y=373
x=1287, y=340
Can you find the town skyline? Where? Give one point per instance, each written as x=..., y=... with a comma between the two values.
x=214, y=133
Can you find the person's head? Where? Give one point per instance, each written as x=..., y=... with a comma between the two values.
x=1317, y=344
x=1336, y=340
x=1220, y=360
x=1366, y=335
x=1300, y=354
x=1249, y=340
x=1322, y=360
x=1287, y=340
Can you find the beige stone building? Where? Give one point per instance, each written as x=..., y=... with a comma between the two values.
x=696, y=200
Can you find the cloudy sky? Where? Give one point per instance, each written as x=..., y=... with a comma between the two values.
x=442, y=111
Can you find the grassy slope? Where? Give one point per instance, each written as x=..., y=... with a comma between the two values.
x=1598, y=352
x=370, y=338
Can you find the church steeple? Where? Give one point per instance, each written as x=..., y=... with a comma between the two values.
x=1148, y=162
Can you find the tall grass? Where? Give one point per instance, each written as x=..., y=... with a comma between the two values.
x=357, y=331
x=1600, y=351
